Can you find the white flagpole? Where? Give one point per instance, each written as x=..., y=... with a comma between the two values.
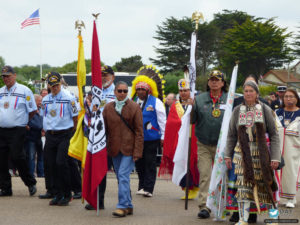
x=41, y=67
x=98, y=200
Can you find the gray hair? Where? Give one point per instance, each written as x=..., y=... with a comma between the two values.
x=119, y=83
x=252, y=84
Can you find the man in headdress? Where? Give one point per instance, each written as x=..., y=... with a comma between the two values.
x=173, y=125
x=147, y=92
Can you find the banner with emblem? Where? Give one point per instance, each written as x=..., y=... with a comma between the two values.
x=78, y=143
x=216, y=200
x=96, y=158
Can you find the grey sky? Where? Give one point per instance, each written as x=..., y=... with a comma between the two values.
x=125, y=27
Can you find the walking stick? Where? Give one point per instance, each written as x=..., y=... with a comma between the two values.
x=187, y=179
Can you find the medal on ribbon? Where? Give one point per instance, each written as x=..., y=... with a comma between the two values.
x=6, y=105
x=53, y=113
x=216, y=113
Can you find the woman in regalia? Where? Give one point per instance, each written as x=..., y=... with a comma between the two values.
x=254, y=162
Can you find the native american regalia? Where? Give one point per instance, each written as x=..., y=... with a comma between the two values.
x=288, y=125
x=170, y=143
x=247, y=138
x=154, y=121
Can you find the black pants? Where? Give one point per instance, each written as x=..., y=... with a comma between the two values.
x=146, y=166
x=12, y=145
x=75, y=174
x=57, y=169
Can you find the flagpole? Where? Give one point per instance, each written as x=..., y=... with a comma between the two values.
x=41, y=67
x=195, y=18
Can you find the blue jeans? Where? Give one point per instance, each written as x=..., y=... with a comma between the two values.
x=31, y=149
x=123, y=166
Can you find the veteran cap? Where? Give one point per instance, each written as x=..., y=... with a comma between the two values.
x=107, y=69
x=217, y=74
x=183, y=84
x=53, y=78
x=281, y=88
x=7, y=70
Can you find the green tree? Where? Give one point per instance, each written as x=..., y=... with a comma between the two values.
x=130, y=64
x=2, y=62
x=174, y=37
x=296, y=44
x=172, y=78
x=259, y=46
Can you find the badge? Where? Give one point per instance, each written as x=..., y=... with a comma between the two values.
x=216, y=113
x=103, y=103
x=28, y=98
x=6, y=105
x=286, y=122
x=150, y=108
x=53, y=113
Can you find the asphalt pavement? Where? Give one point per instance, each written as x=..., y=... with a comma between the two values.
x=165, y=207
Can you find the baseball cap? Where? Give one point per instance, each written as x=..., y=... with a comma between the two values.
x=7, y=70
x=53, y=78
x=217, y=74
x=107, y=69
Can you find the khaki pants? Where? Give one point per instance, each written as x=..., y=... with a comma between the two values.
x=206, y=156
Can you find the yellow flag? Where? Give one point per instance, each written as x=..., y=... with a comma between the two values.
x=78, y=143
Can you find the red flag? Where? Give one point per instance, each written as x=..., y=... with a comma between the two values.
x=173, y=126
x=96, y=158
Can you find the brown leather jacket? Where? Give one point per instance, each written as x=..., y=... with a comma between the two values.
x=119, y=137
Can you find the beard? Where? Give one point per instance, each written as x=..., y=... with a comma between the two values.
x=106, y=84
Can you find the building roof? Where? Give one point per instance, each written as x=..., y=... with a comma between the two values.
x=282, y=75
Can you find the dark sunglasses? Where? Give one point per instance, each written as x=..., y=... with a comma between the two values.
x=140, y=89
x=124, y=91
x=5, y=76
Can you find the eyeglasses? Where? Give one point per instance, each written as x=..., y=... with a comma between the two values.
x=5, y=76
x=140, y=89
x=289, y=96
x=122, y=90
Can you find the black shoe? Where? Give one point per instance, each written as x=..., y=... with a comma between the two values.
x=90, y=207
x=77, y=195
x=252, y=218
x=55, y=200
x=235, y=217
x=5, y=193
x=203, y=214
x=48, y=195
x=64, y=201
x=32, y=190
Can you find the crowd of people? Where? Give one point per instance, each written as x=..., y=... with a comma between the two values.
x=262, y=151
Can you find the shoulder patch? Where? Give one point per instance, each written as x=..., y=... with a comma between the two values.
x=28, y=98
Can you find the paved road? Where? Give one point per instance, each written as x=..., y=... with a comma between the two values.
x=164, y=208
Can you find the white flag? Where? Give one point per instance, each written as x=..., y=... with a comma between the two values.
x=216, y=200
x=192, y=65
x=181, y=153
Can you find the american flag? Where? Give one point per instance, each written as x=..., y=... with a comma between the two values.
x=31, y=20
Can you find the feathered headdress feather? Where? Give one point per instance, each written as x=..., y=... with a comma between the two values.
x=150, y=75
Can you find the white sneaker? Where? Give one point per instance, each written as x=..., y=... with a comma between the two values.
x=147, y=194
x=290, y=204
x=140, y=192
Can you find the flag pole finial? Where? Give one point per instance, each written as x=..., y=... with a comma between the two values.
x=95, y=15
x=79, y=24
x=196, y=16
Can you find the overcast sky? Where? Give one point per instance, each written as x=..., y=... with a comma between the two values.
x=125, y=27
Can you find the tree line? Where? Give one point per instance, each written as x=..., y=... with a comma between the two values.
x=257, y=43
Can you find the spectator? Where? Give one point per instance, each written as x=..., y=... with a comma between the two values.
x=33, y=142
